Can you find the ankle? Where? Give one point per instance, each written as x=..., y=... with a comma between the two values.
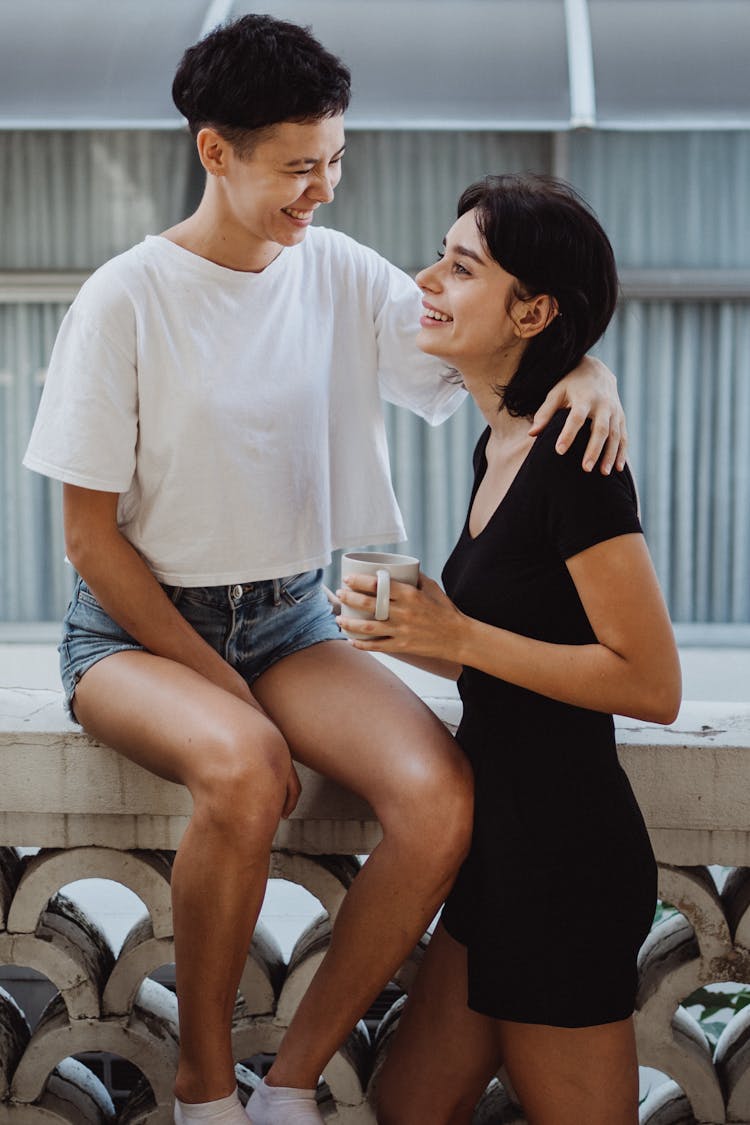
x=288, y=1078
x=219, y=1111
x=283, y=1105
x=192, y=1086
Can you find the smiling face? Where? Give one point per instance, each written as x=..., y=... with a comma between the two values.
x=268, y=199
x=472, y=316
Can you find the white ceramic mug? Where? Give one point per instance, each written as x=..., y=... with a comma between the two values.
x=400, y=568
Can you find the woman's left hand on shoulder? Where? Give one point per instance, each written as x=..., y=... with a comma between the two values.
x=423, y=621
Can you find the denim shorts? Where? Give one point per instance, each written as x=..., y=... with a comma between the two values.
x=252, y=624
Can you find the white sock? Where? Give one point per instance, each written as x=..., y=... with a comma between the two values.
x=225, y=1111
x=282, y=1105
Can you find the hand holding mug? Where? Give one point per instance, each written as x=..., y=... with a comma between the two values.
x=423, y=621
x=385, y=568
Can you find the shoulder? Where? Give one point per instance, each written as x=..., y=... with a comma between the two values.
x=547, y=439
x=114, y=286
x=565, y=471
x=325, y=240
x=581, y=508
x=342, y=251
x=569, y=463
x=104, y=309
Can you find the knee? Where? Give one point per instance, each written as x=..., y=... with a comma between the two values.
x=434, y=811
x=242, y=781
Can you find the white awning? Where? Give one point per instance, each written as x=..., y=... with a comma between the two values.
x=532, y=65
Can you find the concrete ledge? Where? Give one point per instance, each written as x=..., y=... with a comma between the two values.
x=60, y=788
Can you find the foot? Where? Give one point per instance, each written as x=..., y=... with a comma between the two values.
x=225, y=1111
x=282, y=1105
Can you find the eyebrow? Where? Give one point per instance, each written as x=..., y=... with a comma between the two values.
x=312, y=159
x=466, y=253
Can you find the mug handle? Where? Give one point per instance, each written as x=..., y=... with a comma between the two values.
x=383, y=597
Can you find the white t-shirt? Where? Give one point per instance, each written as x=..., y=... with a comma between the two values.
x=238, y=414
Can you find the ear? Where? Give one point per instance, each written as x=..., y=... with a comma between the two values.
x=213, y=151
x=533, y=314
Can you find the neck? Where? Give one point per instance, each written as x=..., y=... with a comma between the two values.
x=212, y=234
x=482, y=382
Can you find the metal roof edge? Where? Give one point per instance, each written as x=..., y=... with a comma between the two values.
x=580, y=64
x=88, y=124
x=713, y=123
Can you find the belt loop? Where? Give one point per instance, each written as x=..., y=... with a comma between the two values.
x=277, y=591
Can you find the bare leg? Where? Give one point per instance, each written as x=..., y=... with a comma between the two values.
x=178, y=725
x=348, y=717
x=442, y=1055
x=573, y=1076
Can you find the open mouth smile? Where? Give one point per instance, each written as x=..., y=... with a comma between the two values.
x=435, y=314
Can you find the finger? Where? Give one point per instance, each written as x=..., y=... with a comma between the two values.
x=357, y=629
x=364, y=583
x=576, y=417
x=333, y=600
x=364, y=602
x=609, y=455
x=552, y=403
x=600, y=432
x=377, y=644
x=622, y=452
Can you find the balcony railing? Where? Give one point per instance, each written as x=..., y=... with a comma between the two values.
x=93, y=814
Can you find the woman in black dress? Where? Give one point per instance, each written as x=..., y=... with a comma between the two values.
x=553, y=620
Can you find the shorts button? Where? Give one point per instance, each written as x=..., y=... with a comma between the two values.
x=236, y=592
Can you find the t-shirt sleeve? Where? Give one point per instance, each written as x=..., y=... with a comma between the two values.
x=86, y=428
x=407, y=376
x=587, y=508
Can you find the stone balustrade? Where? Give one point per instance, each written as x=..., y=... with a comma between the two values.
x=91, y=813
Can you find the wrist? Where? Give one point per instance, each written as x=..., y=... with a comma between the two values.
x=464, y=642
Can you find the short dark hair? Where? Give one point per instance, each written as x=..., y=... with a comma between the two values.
x=256, y=72
x=543, y=233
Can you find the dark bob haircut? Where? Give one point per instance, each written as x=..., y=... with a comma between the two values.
x=541, y=231
x=257, y=72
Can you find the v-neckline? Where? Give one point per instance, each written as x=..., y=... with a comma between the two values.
x=478, y=481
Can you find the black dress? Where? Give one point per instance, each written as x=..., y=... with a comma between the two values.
x=559, y=889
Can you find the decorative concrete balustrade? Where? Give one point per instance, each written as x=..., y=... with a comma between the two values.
x=93, y=814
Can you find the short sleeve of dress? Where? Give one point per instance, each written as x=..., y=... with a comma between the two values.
x=86, y=428
x=585, y=508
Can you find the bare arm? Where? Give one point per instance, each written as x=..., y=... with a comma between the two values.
x=125, y=587
x=632, y=669
x=448, y=669
x=590, y=391
x=445, y=668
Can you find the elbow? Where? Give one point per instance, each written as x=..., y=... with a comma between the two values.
x=85, y=552
x=664, y=712
x=77, y=549
x=661, y=700
x=90, y=527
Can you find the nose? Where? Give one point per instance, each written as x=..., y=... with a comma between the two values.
x=321, y=189
x=427, y=278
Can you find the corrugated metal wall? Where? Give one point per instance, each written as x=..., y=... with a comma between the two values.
x=69, y=201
